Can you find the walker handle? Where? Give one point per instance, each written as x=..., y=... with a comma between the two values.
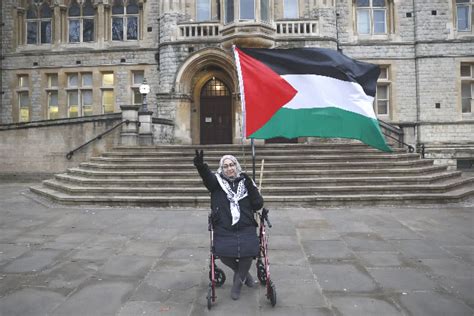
x=265, y=212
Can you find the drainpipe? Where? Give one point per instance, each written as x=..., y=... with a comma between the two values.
x=417, y=84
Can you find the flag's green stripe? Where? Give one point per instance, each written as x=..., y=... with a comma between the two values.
x=323, y=122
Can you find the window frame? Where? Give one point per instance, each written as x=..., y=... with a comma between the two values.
x=39, y=20
x=209, y=7
x=387, y=83
x=80, y=89
x=371, y=18
x=297, y=11
x=22, y=88
x=50, y=89
x=107, y=88
x=125, y=16
x=470, y=7
x=81, y=18
x=135, y=87
x=469, y=80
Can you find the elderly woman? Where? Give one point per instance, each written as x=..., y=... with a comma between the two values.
x=234, y=199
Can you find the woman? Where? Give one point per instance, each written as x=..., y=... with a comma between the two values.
x=234, y=199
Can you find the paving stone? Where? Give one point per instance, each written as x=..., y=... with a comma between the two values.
x=365, y=306
x=434, y=304
x=295, y=293
x=381, y=259
x=330, y=249
x=401, y=279
x=135, y=308
x=30, y=302
x=9, y=252
x=104, y=298
x=32, y=261
x=129, y=266
x=343, y=278
x=465, y=253
x=144, y=248
x=419, y=249
x=318, y=234
x=450, y=268
x=366, y=242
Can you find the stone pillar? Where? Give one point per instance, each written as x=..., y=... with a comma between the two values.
x=145, y=134
x=129, y=133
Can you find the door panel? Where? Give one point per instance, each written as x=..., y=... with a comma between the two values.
x=216, y=120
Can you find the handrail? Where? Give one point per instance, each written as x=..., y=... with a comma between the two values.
x=71, y=153
x=397, y=131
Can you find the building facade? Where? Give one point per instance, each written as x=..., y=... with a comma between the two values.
x=72, y=58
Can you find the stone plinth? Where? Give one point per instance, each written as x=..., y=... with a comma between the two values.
x=129, y=134
x=145, y=132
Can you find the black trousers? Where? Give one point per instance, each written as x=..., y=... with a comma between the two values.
x=240, y=266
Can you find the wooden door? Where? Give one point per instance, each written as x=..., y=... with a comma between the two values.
x=216, y=114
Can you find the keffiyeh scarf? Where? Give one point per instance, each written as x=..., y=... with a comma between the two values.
x=233, y=197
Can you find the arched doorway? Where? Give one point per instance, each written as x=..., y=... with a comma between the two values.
x=216, y=113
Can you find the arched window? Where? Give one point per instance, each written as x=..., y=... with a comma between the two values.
x=215, y=88
x=125, y=20
x=372, y=16
x=81, y=22
x=39, y=23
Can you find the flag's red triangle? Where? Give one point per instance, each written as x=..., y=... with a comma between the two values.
x=265, y=92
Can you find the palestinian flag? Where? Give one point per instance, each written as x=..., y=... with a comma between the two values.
x=308, y=92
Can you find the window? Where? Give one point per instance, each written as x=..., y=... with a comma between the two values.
x=108, y=96
x=81, y=22
x=371, y=16
x=247, y=9
x=39, y=23
x=203, y=12
x=215, y=88
x=464, y=15
x=467, y=87
x=229, y=11
x=125, y=20
x=23, y=96
x=137, y=80
x=290, y=9
x=265, y=10
x=382, y=96
x=52, y=93
x=79, y=94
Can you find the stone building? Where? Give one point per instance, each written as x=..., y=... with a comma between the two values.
x=73, y=58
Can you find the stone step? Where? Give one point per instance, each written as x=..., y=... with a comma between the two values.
x=268, y=158
x=283, y=201
x=272, y=190
x=267, y=165
x=303, y=180
x=179, y=174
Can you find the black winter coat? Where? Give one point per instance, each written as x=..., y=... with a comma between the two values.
x=239, y=240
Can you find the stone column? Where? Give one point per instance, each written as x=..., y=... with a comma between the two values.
x=145, y=134
x=129, y=133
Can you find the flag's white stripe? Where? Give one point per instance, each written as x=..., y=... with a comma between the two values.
x=315, y=91
x=242, y=91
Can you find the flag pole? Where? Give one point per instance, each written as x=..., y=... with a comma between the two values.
x=253, y=158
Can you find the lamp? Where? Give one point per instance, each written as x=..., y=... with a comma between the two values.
x=144, y=90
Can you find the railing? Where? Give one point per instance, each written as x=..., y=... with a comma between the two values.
x=71, y=153
x=397, y=131
x=296, y=27
x=198, y=30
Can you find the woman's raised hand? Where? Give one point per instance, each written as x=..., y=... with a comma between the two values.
x=199, y=158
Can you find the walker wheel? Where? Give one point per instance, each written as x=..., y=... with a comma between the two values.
x=209, y=297
x=271, y=294
x=261, y=273
x=219, y=276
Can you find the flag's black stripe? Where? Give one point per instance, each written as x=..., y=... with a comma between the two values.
x=320, y=61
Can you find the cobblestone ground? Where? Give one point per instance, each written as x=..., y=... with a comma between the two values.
x=57, y=260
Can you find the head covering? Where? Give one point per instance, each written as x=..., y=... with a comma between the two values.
x=234, y=160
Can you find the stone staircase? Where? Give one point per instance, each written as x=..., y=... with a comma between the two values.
x=323, y=174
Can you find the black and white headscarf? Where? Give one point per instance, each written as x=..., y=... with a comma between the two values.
x=233, y=197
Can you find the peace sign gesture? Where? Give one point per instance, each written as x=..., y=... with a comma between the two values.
x=199, y=158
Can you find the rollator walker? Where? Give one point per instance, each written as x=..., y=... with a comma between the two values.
x=217, y=276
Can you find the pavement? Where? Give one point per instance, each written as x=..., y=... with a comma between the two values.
x=58, y=260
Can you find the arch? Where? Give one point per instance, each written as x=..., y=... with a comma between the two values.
x=208, y=58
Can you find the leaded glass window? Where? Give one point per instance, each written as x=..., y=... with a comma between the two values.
x=39, y=17
x=125, y=20
x=229, y=11
x=247, y=9
x=464, y=15
x=203, y=10
x=215, y=88
x=81, y=22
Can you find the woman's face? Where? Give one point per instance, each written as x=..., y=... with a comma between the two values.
x=229, y=168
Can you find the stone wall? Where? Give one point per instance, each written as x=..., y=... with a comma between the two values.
x=40, y=148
